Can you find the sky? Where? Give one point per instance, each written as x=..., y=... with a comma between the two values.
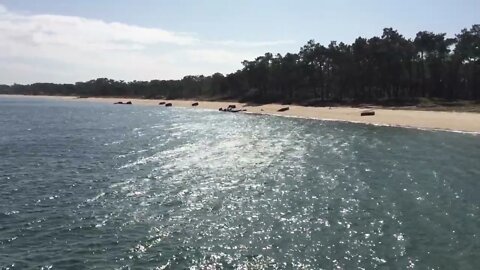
x=69, y=40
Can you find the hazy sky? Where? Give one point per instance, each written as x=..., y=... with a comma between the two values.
x=72, y=40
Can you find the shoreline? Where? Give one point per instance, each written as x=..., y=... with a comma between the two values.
x=462, y=122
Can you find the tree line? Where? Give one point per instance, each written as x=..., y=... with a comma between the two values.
x=386, y=68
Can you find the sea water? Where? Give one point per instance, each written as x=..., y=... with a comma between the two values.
x=90, y=185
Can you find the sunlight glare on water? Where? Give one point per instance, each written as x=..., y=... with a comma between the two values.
x=96, y=185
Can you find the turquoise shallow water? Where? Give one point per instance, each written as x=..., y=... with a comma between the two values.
x=86, y=185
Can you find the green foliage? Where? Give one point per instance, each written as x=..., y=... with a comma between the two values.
x=389, y=67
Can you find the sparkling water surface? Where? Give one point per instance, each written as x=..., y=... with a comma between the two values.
x=96, y=186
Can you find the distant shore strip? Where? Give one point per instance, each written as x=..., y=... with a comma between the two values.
x=464, y=122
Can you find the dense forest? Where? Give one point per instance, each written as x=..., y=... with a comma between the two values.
x=385, y=68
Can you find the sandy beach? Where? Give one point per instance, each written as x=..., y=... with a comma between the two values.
x=433, y=120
